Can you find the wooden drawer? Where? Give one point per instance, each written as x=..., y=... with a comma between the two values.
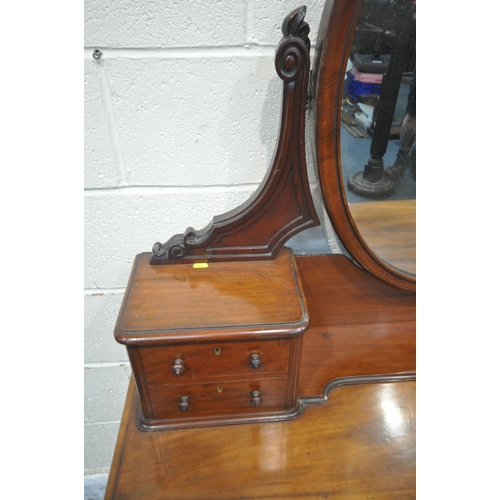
x=218, y=397
x=214, y=360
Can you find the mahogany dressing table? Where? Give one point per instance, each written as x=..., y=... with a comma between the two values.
x=257, y=373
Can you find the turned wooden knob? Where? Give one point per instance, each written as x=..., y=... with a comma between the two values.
x=184, y=403
x=256, y=399
x=178, y=367
x=255, y=361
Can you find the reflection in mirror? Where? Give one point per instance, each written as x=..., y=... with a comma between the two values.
x=378, y=133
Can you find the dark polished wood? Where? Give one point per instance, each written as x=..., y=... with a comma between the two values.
x=388, y=228
x=359, y=445
x=226, y=300
x=282, y=206
x=216, y=344
x=337, y=28
x=355, y=438
x=190, y=332
x=359, y=325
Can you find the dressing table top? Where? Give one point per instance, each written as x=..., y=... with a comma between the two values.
x=349, y=448
x=358, y=442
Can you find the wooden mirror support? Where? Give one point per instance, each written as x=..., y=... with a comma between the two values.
x=282, y=206
x=336, y=31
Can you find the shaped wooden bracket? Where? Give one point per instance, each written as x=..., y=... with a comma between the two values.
x=282, y=206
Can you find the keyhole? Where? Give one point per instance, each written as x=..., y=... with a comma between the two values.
x=217, y=351
x=219, y=389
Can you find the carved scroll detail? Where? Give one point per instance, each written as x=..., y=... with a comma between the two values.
x=290, y=55
x=282, y=206
x=174, y=248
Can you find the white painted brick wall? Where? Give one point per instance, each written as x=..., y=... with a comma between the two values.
x=181, y=119
x=100, y=312
x=156, y=23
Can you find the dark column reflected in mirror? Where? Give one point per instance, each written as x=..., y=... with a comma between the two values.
x=378, y=133
x=365, y=131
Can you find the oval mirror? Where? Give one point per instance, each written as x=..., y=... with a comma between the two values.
x=364, y=132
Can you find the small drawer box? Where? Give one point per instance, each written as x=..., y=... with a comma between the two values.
x=214, y=344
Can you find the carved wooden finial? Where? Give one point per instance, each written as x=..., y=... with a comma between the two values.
x=294, y=25
x=282, y=206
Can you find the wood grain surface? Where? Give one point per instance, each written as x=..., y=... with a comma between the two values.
x=360, y=445
x=359, y=325
x=171, y=304
x=191, y=333
x=388, y=228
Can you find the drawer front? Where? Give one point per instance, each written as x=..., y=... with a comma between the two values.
x=188, y=363
x=218, y=397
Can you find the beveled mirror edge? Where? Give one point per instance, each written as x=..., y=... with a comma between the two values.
x=336, y=30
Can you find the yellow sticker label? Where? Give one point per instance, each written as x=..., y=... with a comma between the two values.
x=200, y=265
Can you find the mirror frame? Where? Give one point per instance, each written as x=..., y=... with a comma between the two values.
x=335, y=35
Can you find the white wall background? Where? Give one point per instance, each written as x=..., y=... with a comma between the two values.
x=181, y=119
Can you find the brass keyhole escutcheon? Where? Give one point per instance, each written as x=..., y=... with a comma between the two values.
x=219, y=389
x=217, y=351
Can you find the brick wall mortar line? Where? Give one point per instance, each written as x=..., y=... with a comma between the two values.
x=250, y=22
x=103, y=422
x=115, y=139
x=248, y=50
x=103, y=291
x=106, y=364
x=168, y=190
